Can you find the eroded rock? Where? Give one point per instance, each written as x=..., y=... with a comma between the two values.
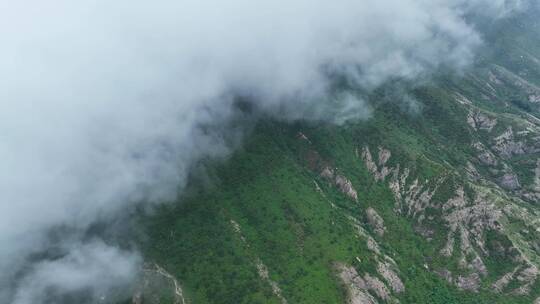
x=344, y=185
x=502, y=282
x=178, y=291
x=373, y=246
x=458, y=201
x=360, y=288
x=262, y=270
x=375, y=221
x=377, y=286
x=507, y=146
x=484, y=155
x=356, y=286
x=379, y=172
x=384, y=156
x=469, y=216
x=516, y=80
x=478, y=265
x=509, y=181
x=462, y=99
x=472, y=172
x=472, y=220
x=391, y=277
x=470, y=282
x=528, y=274
x=264, y=275
x=480, y=121
x=448, y=249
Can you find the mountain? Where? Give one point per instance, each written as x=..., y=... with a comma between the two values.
x=433, y=199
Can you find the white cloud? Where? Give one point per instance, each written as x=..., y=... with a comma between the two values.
x=101, y=102
x=94, y=269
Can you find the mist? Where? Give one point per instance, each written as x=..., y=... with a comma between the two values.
x=105, y=105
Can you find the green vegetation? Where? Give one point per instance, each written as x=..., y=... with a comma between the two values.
x=299, y=224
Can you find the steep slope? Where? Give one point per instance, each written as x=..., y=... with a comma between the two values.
x=437, y=205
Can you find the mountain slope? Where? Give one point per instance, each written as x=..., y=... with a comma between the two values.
x=435, y=205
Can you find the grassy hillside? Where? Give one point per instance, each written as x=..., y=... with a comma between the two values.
x=298, y=203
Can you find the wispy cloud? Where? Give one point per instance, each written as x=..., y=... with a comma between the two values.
x=102, y=102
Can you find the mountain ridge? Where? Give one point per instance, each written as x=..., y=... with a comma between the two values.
x=438, y=204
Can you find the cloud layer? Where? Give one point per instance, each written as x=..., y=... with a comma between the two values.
x=104, y=104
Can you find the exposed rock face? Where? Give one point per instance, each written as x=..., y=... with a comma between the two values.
x=370, y=241
x=362, y=289
x=412, y=199
x=471, y=221
x=472, y=172
x=507, y=146
x=466, y=219
x=393, y=280
x=384, y=156
x=375, y=221
x=263, y=274
x=356, y=286
x=509, y=181
x=494, y=79
x=533, y=194
x=386, y=268
x=501, y=283
x=459, y=201
x=484, y=155
x=517, y=81
x=302, y=136
x=154, y=283
x=480, y=216
x=373, y=246
x=448, y=249
x=468, y=216
x=462, y=99
x=380, y=171
x=344, y=185
x=527, y=277
x=262, y=270
x=179, y=293
x=377, y=286
x=470, y=282
x=479, y=121
x=327, y=173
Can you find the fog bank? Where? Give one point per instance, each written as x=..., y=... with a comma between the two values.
x=106, y=104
